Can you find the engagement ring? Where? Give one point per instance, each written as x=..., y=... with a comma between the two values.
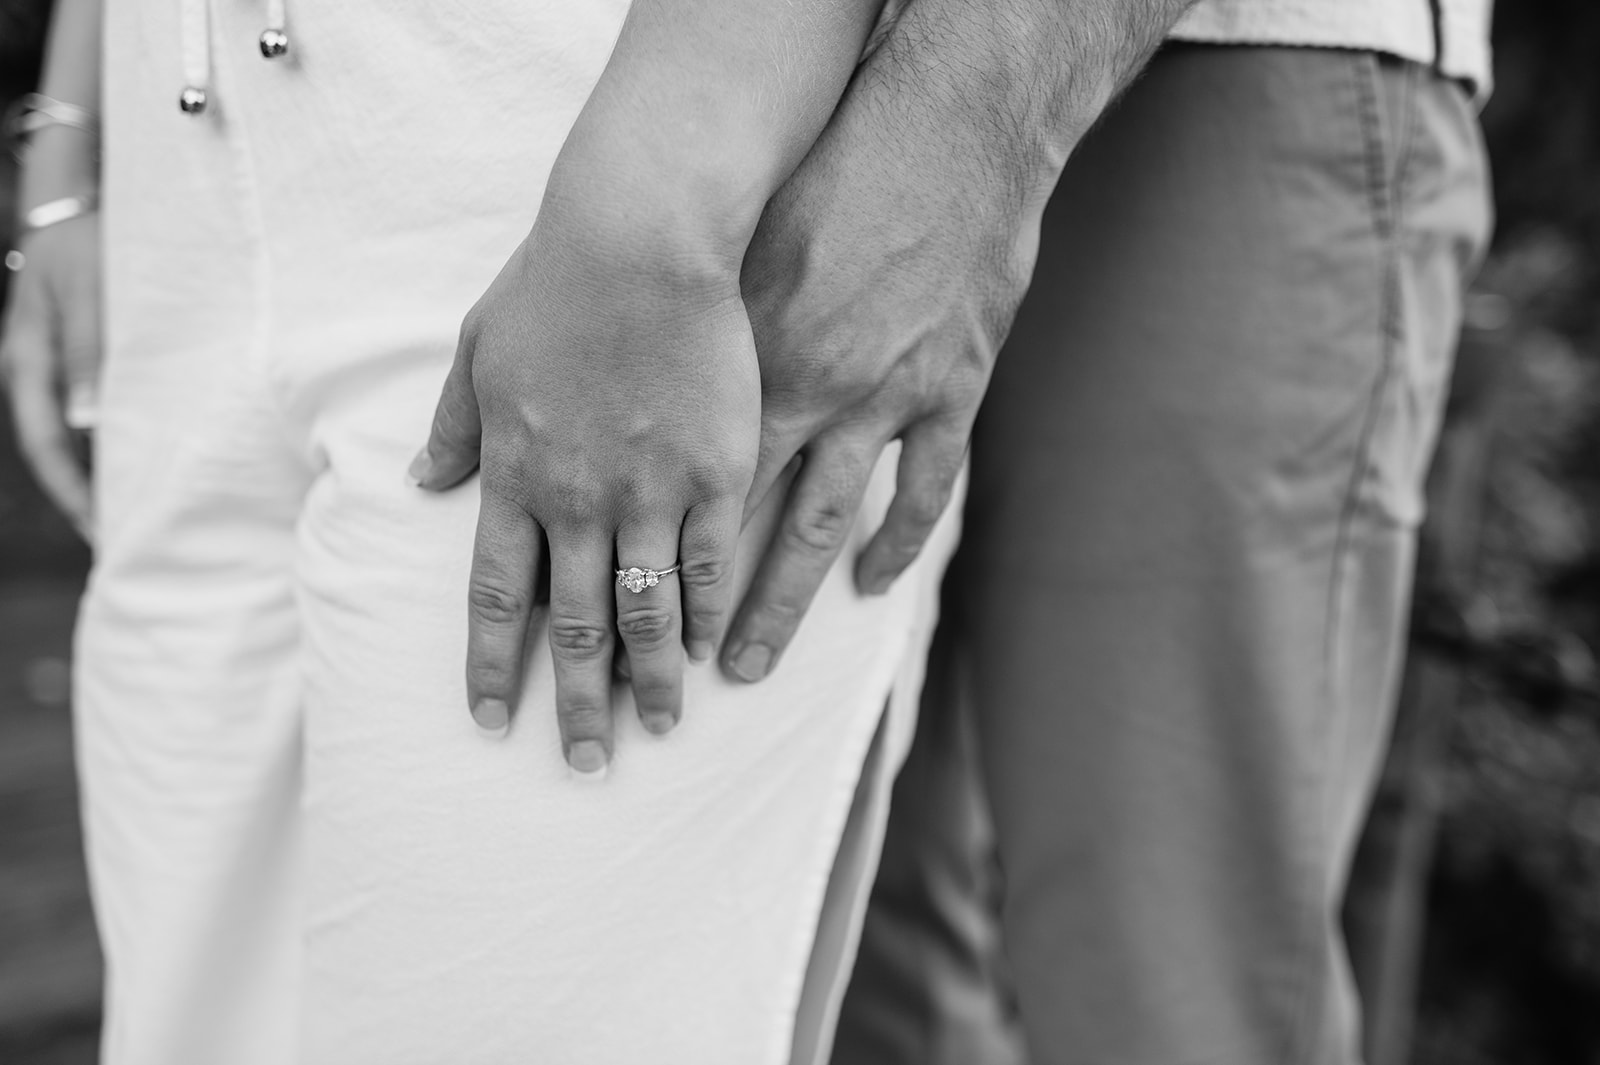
x=637, y=580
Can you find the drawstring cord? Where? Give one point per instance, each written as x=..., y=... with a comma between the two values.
x=194, y=27
x=275, y=38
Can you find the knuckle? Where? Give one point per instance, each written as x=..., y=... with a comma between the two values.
x=819, y=529
x=780, y=614
x=705, y=573
x=575, y=500
x=921, y=513
x=702, y=619
x=716, y=480
x=645, y=626
x=578, y=638
x=630, y=497
x=498, y=603
x=901, y=551
x=834, y=375
x=583, y=718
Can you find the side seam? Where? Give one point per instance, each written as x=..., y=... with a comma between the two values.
x=1384, y=197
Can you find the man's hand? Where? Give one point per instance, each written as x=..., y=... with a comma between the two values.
x=884, y=275
x=879, y=296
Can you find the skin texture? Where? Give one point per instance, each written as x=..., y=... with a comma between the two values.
x=885, y=274
x=578, y=469
x=879, y=286
x=607, y=381
x=879, y=265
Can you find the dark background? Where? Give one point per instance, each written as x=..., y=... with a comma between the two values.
x=1489, y=818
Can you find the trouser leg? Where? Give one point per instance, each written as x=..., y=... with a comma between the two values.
x=188, y=714
x=1190, y=537
x=929, y=986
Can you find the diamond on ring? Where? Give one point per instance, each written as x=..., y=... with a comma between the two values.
x=637, y=580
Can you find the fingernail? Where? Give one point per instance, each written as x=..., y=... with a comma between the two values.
x=493, y=717
x=701, y=650
x=588, y=759
x=877, y=585
x=659, y=724
x=752, y=661
x=418, y=469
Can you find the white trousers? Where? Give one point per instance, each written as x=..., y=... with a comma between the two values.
x=301, y=849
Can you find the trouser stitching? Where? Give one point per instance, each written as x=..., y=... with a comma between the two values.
x=1385, y=198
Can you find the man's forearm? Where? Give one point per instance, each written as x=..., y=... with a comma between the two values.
x=1020, y=81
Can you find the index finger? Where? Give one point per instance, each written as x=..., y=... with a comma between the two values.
x=818, y=516
x=500, y=598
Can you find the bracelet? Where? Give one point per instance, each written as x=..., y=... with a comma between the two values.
x=49, y=213
x=36, y=111
x=54, y=212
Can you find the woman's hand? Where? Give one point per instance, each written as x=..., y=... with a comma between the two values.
x=50, y=358
x=610, y=367
x=615, y=387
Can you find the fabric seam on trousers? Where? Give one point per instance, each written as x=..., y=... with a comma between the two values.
x=804, y=939
x=823, y=1019
x=1384, y=204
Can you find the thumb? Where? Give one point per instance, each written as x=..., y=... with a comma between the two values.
x=452, y=449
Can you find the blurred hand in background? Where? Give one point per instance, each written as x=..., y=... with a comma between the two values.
x=50, y=358
x=50, y=345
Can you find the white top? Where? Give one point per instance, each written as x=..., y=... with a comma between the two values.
x=1459, y=44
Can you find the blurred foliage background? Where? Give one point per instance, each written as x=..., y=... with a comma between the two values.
x=1511, y=965
x=1504, y=786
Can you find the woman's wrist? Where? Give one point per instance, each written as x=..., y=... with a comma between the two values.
x=700, y=189
x=675, y=228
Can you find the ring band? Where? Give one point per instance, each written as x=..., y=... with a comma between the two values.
x=637, y=580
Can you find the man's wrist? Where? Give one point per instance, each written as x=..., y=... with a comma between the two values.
x=1023, y=80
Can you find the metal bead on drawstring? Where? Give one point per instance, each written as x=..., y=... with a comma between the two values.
x=274, y=42
x=192, y=101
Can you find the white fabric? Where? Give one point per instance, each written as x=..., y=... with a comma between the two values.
x=301, y=849
x=195, y=40
x=1404, y=28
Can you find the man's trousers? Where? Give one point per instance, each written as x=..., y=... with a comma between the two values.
x=1178, y=614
